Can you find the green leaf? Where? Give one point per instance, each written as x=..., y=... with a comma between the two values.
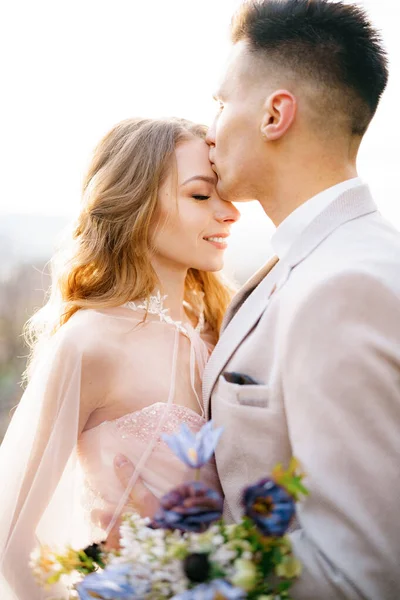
x=284, y=586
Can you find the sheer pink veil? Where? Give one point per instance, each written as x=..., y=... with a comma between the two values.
x=40, y=475
x=39, y=471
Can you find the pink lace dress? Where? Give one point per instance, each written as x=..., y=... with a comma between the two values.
x=109, y=382
x=138, y=434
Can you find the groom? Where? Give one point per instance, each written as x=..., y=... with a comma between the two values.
x=309, y=360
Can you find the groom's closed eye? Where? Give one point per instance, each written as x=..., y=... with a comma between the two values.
x=239, y=378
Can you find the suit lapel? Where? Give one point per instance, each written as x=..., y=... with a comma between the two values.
x=240, y=318
x=246, y=290
x=241, y=322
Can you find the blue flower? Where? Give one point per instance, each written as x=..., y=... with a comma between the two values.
x=211, y=591
x=189, y=507
x=270, y=506
x=195, y=450
x=111, y=584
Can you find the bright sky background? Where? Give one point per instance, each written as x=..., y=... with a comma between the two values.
x=73, y=68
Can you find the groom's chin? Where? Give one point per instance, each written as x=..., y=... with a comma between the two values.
x=231, y=194
x=225, y=192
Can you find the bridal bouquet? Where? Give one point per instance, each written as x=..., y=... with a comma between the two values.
x=187, y=551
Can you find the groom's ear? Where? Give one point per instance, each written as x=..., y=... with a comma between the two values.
x=279, y=113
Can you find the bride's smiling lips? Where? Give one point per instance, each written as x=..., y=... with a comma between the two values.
x=217, y=240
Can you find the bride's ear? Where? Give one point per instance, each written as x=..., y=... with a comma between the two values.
x=279, y=113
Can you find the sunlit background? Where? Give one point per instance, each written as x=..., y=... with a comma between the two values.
x=75, y=68
x=71, y=69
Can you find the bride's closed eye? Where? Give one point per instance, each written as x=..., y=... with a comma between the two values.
x=199, y=197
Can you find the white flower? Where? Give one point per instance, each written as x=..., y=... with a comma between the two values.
x=218, y=540
x=245, y=576
x=43, y=563
x=224, y=556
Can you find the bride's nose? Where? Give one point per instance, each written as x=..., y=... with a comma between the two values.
x=227, y=213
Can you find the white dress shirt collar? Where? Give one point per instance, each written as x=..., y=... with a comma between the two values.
x=293, y=226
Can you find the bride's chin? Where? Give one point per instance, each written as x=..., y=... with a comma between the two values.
x=211, y=267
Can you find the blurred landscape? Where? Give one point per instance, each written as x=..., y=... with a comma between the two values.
x=27, y=242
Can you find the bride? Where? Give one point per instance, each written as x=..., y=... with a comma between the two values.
x=134, y=311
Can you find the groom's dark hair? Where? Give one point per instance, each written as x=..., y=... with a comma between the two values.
x=328, y=43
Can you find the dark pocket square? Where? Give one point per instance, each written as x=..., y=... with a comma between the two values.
x=239, y=378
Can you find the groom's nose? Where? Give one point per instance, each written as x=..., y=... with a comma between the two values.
x=210, y=137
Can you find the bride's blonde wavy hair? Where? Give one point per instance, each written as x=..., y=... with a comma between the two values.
x=108, y=258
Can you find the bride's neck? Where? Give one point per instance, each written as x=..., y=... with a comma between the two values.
x=172, y=285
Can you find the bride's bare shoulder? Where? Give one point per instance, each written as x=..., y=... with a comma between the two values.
x=113, y=335
x=89, y=333
x=106, y=332
x=91, y=338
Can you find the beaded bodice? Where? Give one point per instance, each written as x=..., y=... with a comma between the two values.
x=142, y=424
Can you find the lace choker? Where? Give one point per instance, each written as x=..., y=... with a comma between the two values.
x=155, y=306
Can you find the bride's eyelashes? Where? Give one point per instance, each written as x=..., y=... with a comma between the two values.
x=199, y=197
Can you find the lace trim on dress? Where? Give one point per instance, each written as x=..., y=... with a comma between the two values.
x=155, y=306
x=142, y=424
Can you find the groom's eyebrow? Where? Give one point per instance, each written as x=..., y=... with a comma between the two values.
x=218, y=94
x=212, y=180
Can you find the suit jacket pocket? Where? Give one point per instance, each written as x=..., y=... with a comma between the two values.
x=253, y=395
x=243, y=395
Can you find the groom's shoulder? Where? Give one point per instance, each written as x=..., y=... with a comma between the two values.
x=368, y=247
x=370, y=244
x=368, y=228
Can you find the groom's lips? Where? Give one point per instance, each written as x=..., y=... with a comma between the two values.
x=214, y=168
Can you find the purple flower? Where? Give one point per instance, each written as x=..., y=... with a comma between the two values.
x=211, y=591
x=111, y=584
x=189, y=507
x=270, y=507
x=195, y=450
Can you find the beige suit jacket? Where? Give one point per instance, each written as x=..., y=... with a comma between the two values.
x=320, y=334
